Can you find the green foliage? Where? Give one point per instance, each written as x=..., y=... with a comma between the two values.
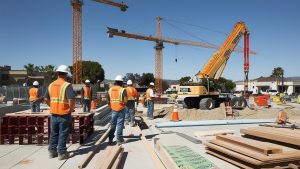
x=277, y=73
x=134, y=77
x=93, y=71
x=146, y=79
x=29, y=67
x=228, y=84
x=184, y=79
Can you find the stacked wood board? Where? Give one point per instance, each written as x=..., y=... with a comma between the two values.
x=248, y=153
x=282, y=135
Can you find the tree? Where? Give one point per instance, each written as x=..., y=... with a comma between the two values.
x=277, y=73
x=146, y=79
x=228, y=84
x=29, y=67
x=135, y=78
x=93, y=71
x=184, y=79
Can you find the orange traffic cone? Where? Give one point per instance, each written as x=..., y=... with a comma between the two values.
x=175, y=115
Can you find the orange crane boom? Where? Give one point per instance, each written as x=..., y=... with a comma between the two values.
x=77, y=35
x=159, y=46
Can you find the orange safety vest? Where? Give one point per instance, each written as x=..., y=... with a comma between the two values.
x=148, y=97
x=33, y=94
x=116, y=98
x=87, y=92
x=58, y=101
x=131, y=93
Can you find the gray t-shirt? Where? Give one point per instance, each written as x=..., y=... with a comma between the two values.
x=69, y=93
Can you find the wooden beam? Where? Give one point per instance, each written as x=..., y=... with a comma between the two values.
x=164, y=155
x=156, y=160
x=118, y=160
x=273, y=134
x=259, y=146
x=110, y=157
x=87, y=158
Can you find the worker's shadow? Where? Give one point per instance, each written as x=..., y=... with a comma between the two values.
x=89, y=144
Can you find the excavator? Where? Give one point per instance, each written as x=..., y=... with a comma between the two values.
x=203, y=92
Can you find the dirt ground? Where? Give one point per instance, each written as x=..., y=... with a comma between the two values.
x=219, y=113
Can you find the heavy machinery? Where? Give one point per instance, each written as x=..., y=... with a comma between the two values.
x=203, y=92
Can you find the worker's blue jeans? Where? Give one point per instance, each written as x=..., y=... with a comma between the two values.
x=150, y=105
x=131, y=111
x=60, y=128
x=86, y=105
x=35, y=106
x=117, y=123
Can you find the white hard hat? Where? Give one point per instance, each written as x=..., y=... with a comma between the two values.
x=119, y=78
x=63, y=68
x=151, y=84
x=129, y=82
x=87, y=81
x=35, y=83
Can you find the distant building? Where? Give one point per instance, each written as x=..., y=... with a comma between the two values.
x=290, y=84
x=10, y=77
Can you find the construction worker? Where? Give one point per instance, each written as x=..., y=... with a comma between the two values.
x=35, y=97
x=60, y=97
x=133, y=97
x=86, y=96
x=150, y=101
x=117, y=100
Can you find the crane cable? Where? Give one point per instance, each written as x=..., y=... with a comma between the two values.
x=197, y=26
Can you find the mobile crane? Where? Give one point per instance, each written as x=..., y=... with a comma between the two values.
x=203, y=93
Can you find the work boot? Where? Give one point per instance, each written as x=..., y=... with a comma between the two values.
x=121, y=141
x=63, y=156
x=126, y=123
x=52, y=154
x=110, y=142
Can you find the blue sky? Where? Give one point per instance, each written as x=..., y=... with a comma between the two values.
x=40, y=32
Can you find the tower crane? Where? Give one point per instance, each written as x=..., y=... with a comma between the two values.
x=77, y=34
x=159, y=40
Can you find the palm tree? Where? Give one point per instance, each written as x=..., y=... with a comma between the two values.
x=29, y=67
x=277, y=73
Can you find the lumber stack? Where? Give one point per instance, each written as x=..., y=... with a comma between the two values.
x=248, y=153
x=282, y=135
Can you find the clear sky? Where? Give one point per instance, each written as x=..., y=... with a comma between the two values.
x=40, y=32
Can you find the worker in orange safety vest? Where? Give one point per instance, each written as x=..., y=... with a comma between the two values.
x=86, y=96
x=150, y=101
x=117, y=100
x=133, y=97
x=61, y=99
x=35, y=97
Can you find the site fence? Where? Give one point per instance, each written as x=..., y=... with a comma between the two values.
x=17, y=92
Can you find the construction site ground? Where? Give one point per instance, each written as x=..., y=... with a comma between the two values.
x=136, y=155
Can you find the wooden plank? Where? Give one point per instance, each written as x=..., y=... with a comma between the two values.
x=213, y=132
x=189, y=138
x=226, y=158
x=267, y=134
x=110, y=157
x=91, y=154
x=157, y=162
x=259, y=156
x=164, y=155
x=234, y=154
x=259, y=146
x=118, y=160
